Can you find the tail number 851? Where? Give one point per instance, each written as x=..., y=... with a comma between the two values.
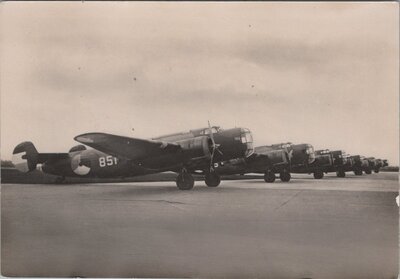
x=107, y=161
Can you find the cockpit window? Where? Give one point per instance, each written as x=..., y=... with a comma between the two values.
x=311, y=153
x=310, y=149
x=246, y=136
x=247, y=139
x=325, y=151
x=214, y=130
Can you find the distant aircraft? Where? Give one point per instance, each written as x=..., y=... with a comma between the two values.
x=374, y=165
x=119, y=156
x=360, y=164
x=334, y=161
x=338, y=161
x=323, y=161
x=271, y=159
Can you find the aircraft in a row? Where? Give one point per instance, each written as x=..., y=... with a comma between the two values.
x=286, y=158
x=209, y=151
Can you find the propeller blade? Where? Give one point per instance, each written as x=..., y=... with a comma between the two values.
x=211, y=134
x=219, y=151
x=213, y=146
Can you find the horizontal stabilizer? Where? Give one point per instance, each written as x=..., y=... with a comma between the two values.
x=25, y=157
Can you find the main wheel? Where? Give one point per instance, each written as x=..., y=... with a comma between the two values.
x=318, y=175
x=368, y=171
x=358, y=172
x=185, y=181
x=340, y=173
x=285, y=176
x=212, y=179
x=376, y=170
x=269, y=177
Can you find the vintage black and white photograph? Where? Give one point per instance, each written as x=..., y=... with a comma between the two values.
x=199, y=139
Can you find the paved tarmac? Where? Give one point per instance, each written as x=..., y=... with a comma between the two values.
x=307, y=228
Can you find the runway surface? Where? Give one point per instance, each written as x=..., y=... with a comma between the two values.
x=307, y=228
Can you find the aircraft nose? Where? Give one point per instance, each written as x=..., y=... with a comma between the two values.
x=311, y=154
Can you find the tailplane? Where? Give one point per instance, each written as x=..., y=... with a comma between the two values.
x=25, y=157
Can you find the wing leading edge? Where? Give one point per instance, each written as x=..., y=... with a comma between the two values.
x=130, y=148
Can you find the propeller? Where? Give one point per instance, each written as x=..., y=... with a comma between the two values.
x=214, y=146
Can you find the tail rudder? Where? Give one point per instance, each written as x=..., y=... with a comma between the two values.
x=25, y=157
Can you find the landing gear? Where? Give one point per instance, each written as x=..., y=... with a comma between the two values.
x=358, y=172
x=318, y=175
x=185, y=181
x=368, y=171
x=212, y=179
x=269, y=176
x=376, y=170
x=340, y=173
x=285, y=176
x=60, y=179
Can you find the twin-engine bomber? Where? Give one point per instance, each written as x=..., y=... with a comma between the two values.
x=119, y=156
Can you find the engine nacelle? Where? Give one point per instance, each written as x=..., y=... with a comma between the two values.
x=79, y=147
x=356, y=161
x=302, y=154
x=80, y=165
x=197, y=148
x=278, y=157
x=364, y=163
x=323, y=160
x=339, y=158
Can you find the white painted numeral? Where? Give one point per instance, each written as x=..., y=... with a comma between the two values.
x=107, y=161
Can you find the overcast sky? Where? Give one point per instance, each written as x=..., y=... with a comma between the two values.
x=321, y=73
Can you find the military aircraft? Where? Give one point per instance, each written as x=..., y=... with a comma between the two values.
x=378, y=165
x=119, y=156
x=323, y=161
x=271, y=159
x=359, y=163
x=374, y=165
x=340, y=162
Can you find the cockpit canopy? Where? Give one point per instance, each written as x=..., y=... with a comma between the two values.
x=284, y=145
x=323, y=152
x=311, y=153
x=206, y=131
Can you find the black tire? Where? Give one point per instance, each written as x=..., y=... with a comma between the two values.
x=212, y=179
x=368, y=171
x=358, y=172
x=341, y=173
x=269, y=177
x=185, y=181
x=285, y=176
x=318, y=175
x=376, y=170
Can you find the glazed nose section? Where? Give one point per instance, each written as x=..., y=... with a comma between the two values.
x=247, y=140
x=311, y=153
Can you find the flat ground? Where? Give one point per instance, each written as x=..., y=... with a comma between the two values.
x=307, y=228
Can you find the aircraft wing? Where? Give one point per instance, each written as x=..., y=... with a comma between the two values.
x=269, y=156
x=130, y=148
